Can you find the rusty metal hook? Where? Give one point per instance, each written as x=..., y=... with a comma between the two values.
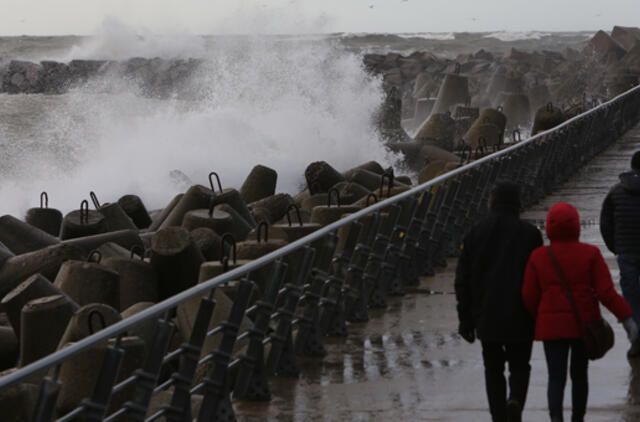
x=94, y=199
x=228, y=237
x=101, y=320
x=212, y=205
x=371, y=195
x=297, y=208
x=136, y=248
x=93, y=253
x=514, y=133
x=386, y=176
x=44, y=200
x=549, y=106
x=261, y=225
x=84, y=212
x=465, y=154
x=225, y=264
x=213, y=173
x=330, y=194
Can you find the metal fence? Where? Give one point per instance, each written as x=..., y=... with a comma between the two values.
x=287, y=301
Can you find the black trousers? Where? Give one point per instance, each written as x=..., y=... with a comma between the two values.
x=495, y=355
x=557, y=354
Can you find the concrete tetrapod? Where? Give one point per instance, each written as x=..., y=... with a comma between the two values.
x=114, y=216
x=438, y=130
x=79, y=373
x=454, y=90
x=209, y=243
x=88, y=320
x=176, y=259
x=82, y=223
x=46, y=261
x=546, y=118
x=327, y=214
x=240, y=228
x=45, y=218
x=124, y=238
x=5, y=253
x=18, y=401
x=372, y=166
x=138, y=280
x=196, y=197
x=350, y=192
x=275, y=205
x=43, y=322
x=32, y=288
x=215, y=219
x=259, y=184
x=321, y=177
x=158, y=218
x=294, y=230
x=9, y=348
x=135, y=209
x=20, y=237
x=89, y=282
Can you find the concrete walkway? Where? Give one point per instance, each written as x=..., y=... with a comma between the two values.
x=408, y=363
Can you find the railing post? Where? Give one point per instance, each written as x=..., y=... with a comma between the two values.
x=96, y=407
x=216, y=403
x=309, y=339
x=147, y=378
x=282, y=358
x=376, y=292
x=45, y=408
x=357, y=300
x=332, y=320
x=251, y=378
x=180, y=408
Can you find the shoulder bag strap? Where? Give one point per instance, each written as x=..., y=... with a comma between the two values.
x=565, y=287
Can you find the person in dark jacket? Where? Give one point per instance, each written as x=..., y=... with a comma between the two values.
x=488, y=288
x=589, y=281
x=620, y=229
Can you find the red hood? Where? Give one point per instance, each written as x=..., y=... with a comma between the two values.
x=563, y=222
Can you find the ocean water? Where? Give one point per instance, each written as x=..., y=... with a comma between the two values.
x=281, y=101
x=256, y=101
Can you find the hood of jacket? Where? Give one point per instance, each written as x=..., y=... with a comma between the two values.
x=563, y=222
x=630, y=181
x=505, y=198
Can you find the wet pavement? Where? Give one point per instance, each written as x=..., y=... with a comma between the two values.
x=407, y=363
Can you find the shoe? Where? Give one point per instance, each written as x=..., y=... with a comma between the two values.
x=514, y=411
x=634, y=350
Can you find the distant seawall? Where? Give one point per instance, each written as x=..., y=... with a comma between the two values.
x=155, y=76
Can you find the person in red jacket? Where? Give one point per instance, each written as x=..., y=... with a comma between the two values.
x=589, y=281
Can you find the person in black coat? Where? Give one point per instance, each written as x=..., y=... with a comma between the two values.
x=488, y=286
x=620, y=229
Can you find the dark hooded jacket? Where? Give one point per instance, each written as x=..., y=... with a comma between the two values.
x=587, y=276
x=620, y=216
x=490, y=272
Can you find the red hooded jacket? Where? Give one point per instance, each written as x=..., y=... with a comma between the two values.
x=587, y=275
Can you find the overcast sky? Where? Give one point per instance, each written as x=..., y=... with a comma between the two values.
x=55, y=17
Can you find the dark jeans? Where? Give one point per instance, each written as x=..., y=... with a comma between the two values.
x=630, y=282
x=495, y=354
x=557, y=353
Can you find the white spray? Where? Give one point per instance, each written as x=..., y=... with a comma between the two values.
x=259, y=101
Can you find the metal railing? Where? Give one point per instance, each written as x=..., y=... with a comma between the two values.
x=383, y=249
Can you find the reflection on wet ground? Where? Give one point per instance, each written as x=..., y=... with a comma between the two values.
x=408, y=363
